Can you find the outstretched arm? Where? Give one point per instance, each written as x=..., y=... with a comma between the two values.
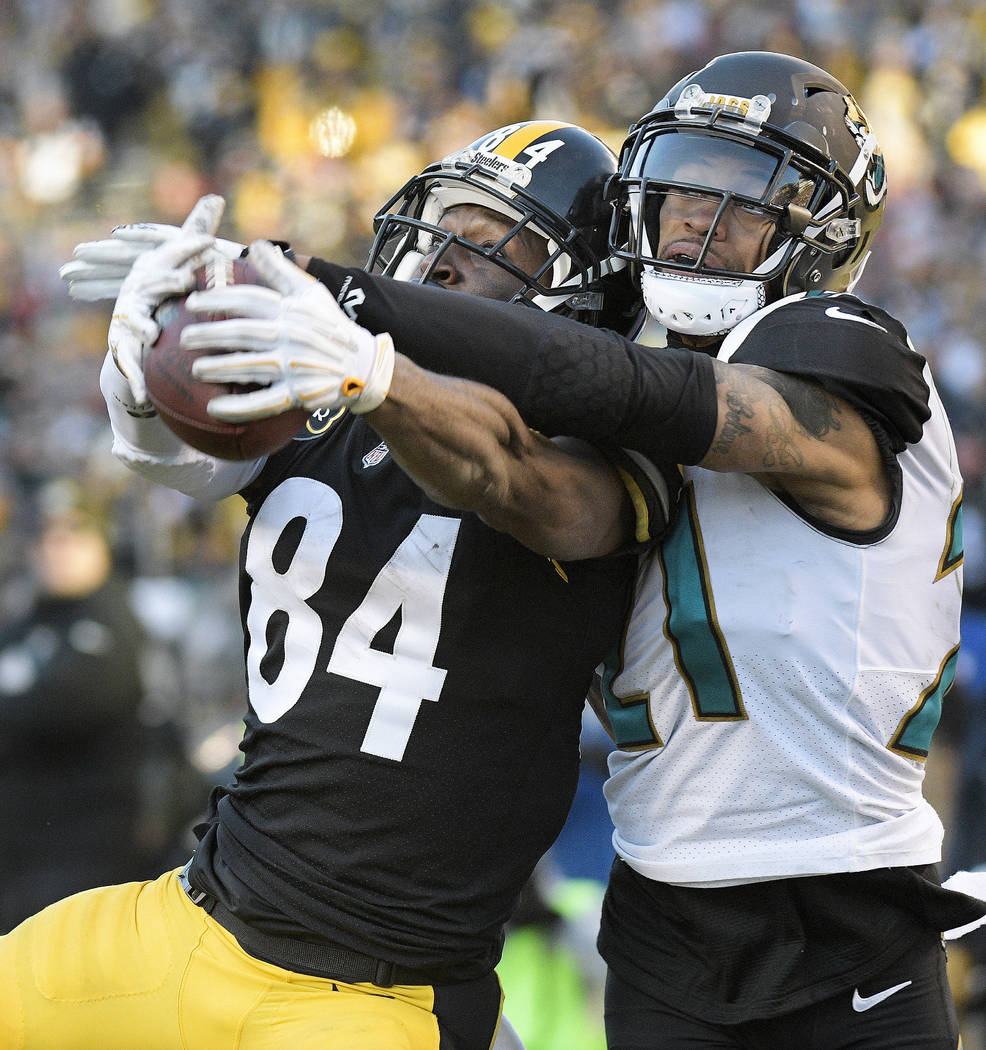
x=467, y=447
x=795, y=435
x=146, y=446
x=163, y=263
x=463, y=442
x=803, y=438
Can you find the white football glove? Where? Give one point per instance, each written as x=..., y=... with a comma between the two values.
x=291, y=338
x=98, y=268
x=157, y=273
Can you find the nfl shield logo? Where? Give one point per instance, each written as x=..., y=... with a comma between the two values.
x=373, y=457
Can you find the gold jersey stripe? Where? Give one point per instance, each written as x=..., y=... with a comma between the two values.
x=642, y=527
x=514, y=143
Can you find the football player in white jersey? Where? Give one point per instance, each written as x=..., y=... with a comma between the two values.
x=796, y=632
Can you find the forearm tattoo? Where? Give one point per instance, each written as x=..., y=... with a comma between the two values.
x=814, y=408
x=815, y=414
x=739, y=408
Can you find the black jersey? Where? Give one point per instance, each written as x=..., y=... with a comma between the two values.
x=416, y=684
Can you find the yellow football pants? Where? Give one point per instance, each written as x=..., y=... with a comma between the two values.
x=140, y=966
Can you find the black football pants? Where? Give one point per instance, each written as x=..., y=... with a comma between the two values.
x=908, y=1006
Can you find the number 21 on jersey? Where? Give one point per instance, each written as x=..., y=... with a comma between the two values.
x=412, y=582
x=703, y=660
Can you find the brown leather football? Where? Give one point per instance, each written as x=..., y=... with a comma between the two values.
x=180, y=399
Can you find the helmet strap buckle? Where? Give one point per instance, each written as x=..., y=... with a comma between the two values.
x=585, y=301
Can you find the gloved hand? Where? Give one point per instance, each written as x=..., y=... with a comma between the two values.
x=292, y=338
x=157, y=274
x=98, y=268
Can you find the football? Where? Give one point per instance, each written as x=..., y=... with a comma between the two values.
x=180, y=399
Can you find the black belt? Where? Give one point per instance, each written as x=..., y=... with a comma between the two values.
x=316, y=960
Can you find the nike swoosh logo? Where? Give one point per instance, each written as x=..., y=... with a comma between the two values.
x=834, y=311
x=862, y=1003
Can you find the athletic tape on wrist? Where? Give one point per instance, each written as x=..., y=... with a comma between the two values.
x=376, y=386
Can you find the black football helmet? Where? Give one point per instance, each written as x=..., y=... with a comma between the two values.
x=777, y=138
x=546, y=177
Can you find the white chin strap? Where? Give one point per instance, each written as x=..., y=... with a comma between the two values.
x=694, y=305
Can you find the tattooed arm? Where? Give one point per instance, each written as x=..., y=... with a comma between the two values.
x=799, y=440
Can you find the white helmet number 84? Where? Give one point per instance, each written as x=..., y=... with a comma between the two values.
x=536, y=153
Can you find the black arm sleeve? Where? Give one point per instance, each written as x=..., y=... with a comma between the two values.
x=564, y=377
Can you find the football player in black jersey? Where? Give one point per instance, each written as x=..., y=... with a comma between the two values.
x=795, y=635
x=416, y=680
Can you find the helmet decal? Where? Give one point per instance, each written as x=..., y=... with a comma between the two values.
x=546, y=180
x=751, y=112
x=870, y=160
x=492, y=164
x=513, y=139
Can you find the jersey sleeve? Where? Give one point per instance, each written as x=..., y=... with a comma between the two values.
x=146, y=446
x=564, y=377
x=851, y=348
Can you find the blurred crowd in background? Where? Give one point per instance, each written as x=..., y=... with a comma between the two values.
x=307, y=116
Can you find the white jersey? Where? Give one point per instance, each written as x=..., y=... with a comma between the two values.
x=780, y=683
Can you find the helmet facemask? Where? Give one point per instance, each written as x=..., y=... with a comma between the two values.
x=412, y=247
x=746, y=175
x=411, y=241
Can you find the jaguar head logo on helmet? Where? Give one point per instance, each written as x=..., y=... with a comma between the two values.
x=542, y=181
x=768, y=146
